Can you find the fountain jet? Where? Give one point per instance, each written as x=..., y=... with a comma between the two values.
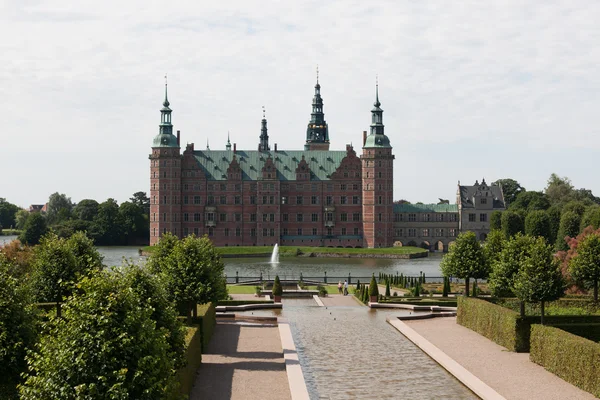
x=275, y=255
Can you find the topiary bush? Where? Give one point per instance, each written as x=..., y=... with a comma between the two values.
x=373, y=289
x=387, y=288
x=277, y=288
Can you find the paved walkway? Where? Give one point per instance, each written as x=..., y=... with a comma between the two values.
x=242, y=362
x=509, y=373
x=338, y=300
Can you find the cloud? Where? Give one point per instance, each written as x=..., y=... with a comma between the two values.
x=499, y=80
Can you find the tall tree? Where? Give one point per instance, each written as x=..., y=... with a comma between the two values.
x=87, y=256
x=106, y=347
x=35, y=227
x=578, y=207
x=539, y=279
x=108, y=224
x=585, y=265
x=134, y=221
x=537, y=223
x=21, y=218
x=8, y=213
x=591, y=217
x=496, y=220
x=86, y=210
x=554, y=214
x=59, y=208
x=493, y=245
x=569, y=227
x=141, y=200
x=465, y=259
x=161, y=251
x=510, y=188
x=559, y=190
x=512, y=223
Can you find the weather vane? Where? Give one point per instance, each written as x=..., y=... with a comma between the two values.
x=263, y=108
x=317, y=73
x=165, y=79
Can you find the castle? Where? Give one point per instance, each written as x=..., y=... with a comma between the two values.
x=309, y=197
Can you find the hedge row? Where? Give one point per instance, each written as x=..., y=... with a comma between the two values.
x=499, y=324
x=193, y=356
x=207, y=319
x=572, y=358
x=422, y=303
x=243, y=302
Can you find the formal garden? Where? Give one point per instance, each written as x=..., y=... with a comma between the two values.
x=73, y=329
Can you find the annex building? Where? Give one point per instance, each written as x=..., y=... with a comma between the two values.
x=308, y=197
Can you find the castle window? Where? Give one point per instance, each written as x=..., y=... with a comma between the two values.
x=472, y=217
x=272, y=217
x=356, y=217
x=222, y=217
x=425, y=233
x=164, y=231
x=427, y=217
x=186, y=217
x=329, y=231
x=196, y=231
x=284, y=217
x=329, y=216
x=185, y=231
x=355, y=186
x=185, y=187
x=285, y=231
x=154, y=232
x=299, y=218
x=452, y=217
x=164, y=199
x=356, y=232
x=265, y=217
x=483, y=200
x=211, y=231
x=314, y=231
x=299, y=231
x=329, y=200
x=185, y=200
x=452, y=232
x=299, y=200
x=264, y=200
x=164, y=217
x=412, y=232
x=314, y=217
x=252, y=199
x=272, y=232
x=439, y=217
x=252, y=217
x=223, y=187
x=313, y=187
x=210, y=200
x=343, y=217
x=343, y=231
x=380, y=200
x=379, y=217
x=343, y=200
x=164, y=174
x=238, y=217
x=482, y=217
x=314, y=199
x=379, y=174
x=345, y=174
x=343, y=186
x=237, y=200
x=355, y=200
x=222, y=199
x=265, y=232
x=412, y=217
x=209, y=217
x=329, y=187
x=226, y=231
x=196, y=199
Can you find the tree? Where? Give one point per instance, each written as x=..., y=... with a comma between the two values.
x=106, y=347
x=193, y=273
x=530, y=201
x=496, y=220
x=21, y=218
x=493, y=245
x=559, y=190
x=162, y=251
x=554, y=214
x=59, y=208
x=373, y=288
x=537, y=223
x=575, y=206
x=512, y=223
x=465, y=259
x=135, y=223
x=569, y=227
x=108, y=225
x=387, y=288
x=143, y=201
x=510, y=188
x=8, y=212
x=277, y=288
x=591, y=217
x=86, y=210
x=35, y=228
x=539, y=279
x=505, y=268
x=17, y=328
x=585, y=265
x=152, y=294
x=87, y=256
x=18, y=259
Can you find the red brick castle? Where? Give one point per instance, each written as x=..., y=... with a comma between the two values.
x=310, y=197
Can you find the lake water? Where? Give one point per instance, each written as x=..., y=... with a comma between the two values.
x=291, y=267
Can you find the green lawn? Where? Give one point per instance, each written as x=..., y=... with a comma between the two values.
x=239, y=289
x=291, y=251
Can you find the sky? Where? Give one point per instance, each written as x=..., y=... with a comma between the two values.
x=471, y=89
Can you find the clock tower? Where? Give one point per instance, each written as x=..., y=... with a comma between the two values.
x=317, y=132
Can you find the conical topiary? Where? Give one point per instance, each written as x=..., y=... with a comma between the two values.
x=277, y=289
x=445, y=287
x=387, y=289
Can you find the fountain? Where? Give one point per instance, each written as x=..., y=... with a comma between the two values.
x=275, y=255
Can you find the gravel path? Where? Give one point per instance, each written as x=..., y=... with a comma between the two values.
x=242, y=362
x=340, y=300
x=509, y=373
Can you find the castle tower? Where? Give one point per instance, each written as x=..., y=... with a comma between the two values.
x=264, y=136
x=377, y=182
x=165, y=178
x=317, y=132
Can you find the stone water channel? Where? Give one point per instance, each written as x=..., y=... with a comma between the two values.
x=352, y=352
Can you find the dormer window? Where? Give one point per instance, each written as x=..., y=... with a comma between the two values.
x=483, y=200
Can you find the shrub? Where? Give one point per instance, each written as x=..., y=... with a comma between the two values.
x=395, y=294
x=572, y=358
x=322, y=290
x=277, y=289
x=373, y=289
x=207, y=319
x=193, y=356
x=387, y=288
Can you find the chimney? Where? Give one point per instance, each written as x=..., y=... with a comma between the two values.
x=234, y=148
x=275, y=146
x=178, y=137
x=364, y=137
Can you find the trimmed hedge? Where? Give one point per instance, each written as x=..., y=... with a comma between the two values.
x=207, y=319
x=447, y=303
x=193, y=356
x=499, y=324
x=243, y=302
x=572, y=358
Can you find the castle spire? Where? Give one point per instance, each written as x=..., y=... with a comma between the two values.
x=228, y=145
x=264, y=136
x=317, y=132
x=165, y=126
x=377, y=113
x=166, y=102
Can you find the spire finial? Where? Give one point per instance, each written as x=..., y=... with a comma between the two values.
x=317, y=73
x=207, y=146
x=377, y=103
x=166, y=102
x=263, y=108
x=228, y=137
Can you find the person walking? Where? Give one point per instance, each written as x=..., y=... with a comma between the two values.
x=340, y=287
x=345, y=288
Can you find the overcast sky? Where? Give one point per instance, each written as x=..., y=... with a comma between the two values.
x=470, y=89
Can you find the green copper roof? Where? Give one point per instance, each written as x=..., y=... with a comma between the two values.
x=165, y=140
x=381, y=141
x=322, y=163
x=425, y=208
